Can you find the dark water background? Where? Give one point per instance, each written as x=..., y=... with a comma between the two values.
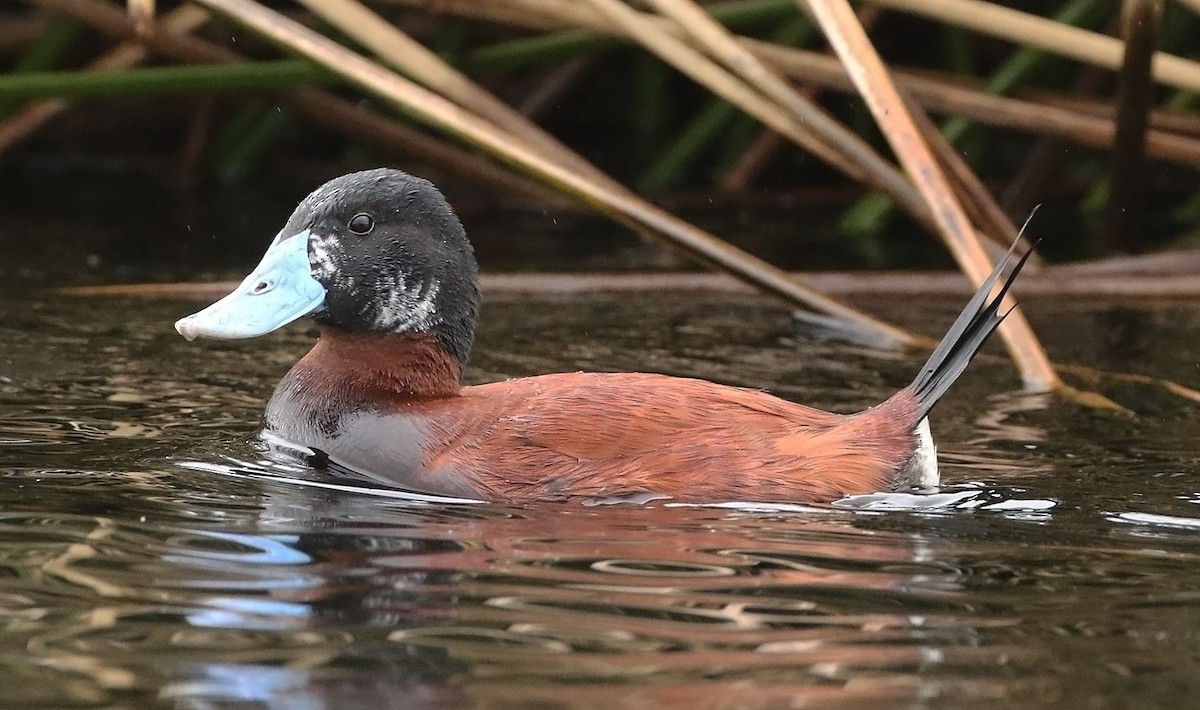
x=150, y=558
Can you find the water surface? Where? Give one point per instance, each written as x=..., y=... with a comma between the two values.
x=150, y=557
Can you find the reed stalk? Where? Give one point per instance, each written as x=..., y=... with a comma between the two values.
x=141, y=13
x=1123, y=213
x=1033, y=31
x=848, y=39
x=970, y=190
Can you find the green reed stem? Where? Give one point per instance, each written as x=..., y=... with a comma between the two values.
x=58, y=37
x=711, y=123
x=249, y=140
x=44, y=54
x=163, y=80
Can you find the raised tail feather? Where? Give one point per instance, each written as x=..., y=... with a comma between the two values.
x=970, y=331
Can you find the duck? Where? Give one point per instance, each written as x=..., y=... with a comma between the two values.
x=382, y=264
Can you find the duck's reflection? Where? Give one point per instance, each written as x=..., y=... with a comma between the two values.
x=297, y=596
x=289, y=688
x=339, y=598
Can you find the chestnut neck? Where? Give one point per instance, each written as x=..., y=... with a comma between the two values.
x=379, y=367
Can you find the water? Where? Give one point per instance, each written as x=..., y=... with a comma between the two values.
x=150, y=557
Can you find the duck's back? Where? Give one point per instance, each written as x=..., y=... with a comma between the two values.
x=597, y=434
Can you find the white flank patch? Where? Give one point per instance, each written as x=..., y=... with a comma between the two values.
x=924, y=465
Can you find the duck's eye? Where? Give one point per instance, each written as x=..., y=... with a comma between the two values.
x=361, y=223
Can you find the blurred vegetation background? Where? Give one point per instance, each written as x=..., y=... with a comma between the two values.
x=124, y=155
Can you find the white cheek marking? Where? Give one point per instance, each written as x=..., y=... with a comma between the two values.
x=321, y=256
x=392, y=303
x=407, y=309
x=421, y=313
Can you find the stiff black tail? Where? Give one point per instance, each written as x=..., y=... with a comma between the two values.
x=968, y=334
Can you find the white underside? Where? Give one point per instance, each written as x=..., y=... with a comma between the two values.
x=924, y=468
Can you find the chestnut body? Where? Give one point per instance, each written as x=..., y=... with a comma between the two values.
x=578, y=434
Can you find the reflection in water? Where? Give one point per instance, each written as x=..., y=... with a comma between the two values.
x=523, y=599
x=1000, y=422
x=152, y=554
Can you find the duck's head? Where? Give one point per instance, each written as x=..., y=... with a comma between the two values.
x=374, y=252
